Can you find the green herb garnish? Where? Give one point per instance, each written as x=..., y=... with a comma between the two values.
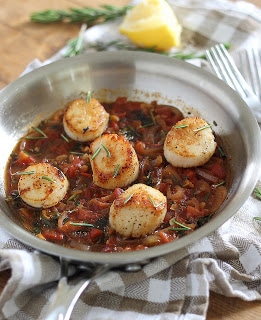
x=221, y=152
x=87, y=15
x=75, y=45
x=202, y=128
x=43, y=135
x=181, y=126
x=146, y=125
x=96, y=153
x=116, y=172
x=152, y=116
x=77, y=153
x=218, y=184
x=81, y=224
x=154, y=204
x=72, y=197
x=20, y=173
x=128, y=198
x=149, y=178
x=64, y=137
x=88, y=97
x=106, y=150
x=181, y=227
x=119, y=45
x=130, y=133
x=48, y=179
x=257, y=193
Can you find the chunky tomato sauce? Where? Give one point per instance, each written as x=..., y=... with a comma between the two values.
x=81, y=219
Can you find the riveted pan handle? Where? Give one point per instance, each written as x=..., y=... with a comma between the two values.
x=67, y=295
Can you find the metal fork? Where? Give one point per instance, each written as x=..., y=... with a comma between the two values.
x=67, y=294
x=226, y=70
x=249, y=64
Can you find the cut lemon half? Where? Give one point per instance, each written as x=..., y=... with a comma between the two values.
x=152, y=24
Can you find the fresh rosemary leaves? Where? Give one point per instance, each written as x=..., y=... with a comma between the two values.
x=257, y=192
x=90, y=16
x=87, y=15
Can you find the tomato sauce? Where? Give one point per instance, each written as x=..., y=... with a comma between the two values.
x=81, y=219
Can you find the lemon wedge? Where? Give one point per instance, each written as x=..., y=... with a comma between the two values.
x=152, y=24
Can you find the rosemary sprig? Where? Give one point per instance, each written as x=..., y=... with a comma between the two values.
x=88, y=15
x=221, y=152
x=43, y=135
x=76, y=153
x=153, y=202
x=257, y=192
x=20, y=173
x=73, y=197
x=116, y=172
x=75, y=45
x=119, y=45
x=88, y=96
x=181, y=227
x=48, y=178
x=65, y=138
x=181, y=126
x=81, y=224
x=195, y=130
x=146, y=125
x=152, y=117
x=107, y=151
x=202, y=128
x=218, y=184
x=128, y=198
x=96, y=153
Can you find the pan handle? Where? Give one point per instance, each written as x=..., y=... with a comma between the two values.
x=67, y=295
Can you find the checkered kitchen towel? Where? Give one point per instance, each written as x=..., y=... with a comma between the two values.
x=177, y=285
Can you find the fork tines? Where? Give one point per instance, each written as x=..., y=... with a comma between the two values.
x=249, y=62
x=226, y=69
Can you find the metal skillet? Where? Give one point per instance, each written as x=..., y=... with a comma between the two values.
x=139, y=76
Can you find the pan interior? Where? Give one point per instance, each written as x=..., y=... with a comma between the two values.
x=139, y=76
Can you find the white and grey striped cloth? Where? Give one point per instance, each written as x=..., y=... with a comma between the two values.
x=177, y=285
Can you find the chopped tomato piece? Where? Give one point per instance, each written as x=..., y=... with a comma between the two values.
x=95, y=233
x=114, y=125
x=52, y=235
x=191, y=175
x=117, y=192
x=164, y=237
x=194, y=212
x=25, y=158
x=68, y=227
x=218, y=170
x=74, y=167
x=88, y=216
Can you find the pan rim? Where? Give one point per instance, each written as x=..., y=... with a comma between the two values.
x=120, y=258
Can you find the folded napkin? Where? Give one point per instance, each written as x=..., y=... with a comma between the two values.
x=175, y=286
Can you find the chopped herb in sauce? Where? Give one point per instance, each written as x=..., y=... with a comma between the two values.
x=81, y=219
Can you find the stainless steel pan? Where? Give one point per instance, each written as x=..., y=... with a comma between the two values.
x=142, y=76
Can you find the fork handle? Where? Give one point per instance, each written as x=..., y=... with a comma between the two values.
x=67, y=295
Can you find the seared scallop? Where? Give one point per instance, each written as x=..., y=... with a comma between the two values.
x=138, y=211
x=114, y=161
x=85, y=121
x=190, y=143
x=42, y=185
